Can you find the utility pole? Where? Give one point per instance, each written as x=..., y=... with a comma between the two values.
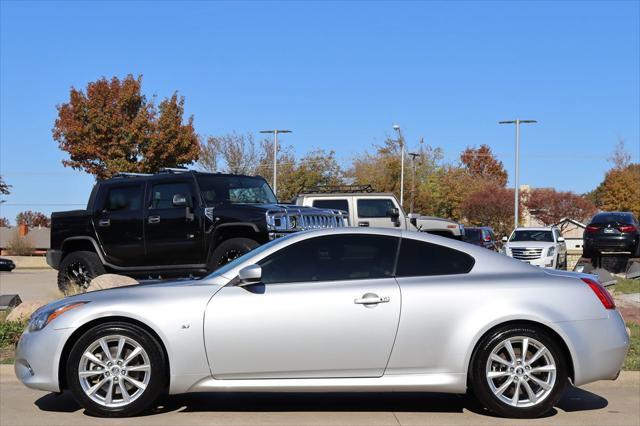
x=275, y=156
x=401, y=141
x=413, y=156
x=517, y=122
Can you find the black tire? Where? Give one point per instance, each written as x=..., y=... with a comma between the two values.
x=230, y=249
x=480, y=383
x=91, y=267
x=156, y=385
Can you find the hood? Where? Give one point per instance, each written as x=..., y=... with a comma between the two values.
x=529, y=244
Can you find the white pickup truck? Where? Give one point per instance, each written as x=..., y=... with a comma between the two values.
x=379, y=210
x=543, y=247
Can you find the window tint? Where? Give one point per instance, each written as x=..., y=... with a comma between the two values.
x=418, y=258
x=606, y=217
x=331, y=258
x=542, y=236
x=124, y=198
x=332, y=204
x=380, y=207
x=235, y=189
x=162, y=195
x=472, y=234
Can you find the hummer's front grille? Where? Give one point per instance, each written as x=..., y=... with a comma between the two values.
x=297, y=220
x=526, y=253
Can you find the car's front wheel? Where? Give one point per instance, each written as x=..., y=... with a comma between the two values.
x=519, y=372
x=116, y=370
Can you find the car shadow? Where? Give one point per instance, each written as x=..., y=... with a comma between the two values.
x=574, y=399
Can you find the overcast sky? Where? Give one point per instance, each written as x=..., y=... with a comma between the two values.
x=337, y=74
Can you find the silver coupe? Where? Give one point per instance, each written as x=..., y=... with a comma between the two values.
x=330, y=311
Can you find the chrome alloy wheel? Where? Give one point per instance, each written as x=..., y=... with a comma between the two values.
x=114, y=371
x=521, y=371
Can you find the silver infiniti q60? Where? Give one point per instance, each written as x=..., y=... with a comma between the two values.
x=334, y=310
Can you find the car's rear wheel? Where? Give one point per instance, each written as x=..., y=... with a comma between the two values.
x=116, y=370
x=519, y=372
x=76, y=271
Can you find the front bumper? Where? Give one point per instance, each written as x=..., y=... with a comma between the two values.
x=38, y=358
x=598, y=347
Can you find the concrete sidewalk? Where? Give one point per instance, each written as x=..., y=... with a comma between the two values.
x=601, y=403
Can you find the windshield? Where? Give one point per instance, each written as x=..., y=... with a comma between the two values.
x=472, y=235
x=612, y=217
x=216, y=189
x=542, y=236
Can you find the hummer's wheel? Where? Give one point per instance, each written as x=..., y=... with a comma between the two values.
x=229, y=250
x=76, y=271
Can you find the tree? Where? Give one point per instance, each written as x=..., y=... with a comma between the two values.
x=490, y=206
x=4, y=188
x=112, y=127
x=550, y=206
x=237, y=152
x=620, y=190
x=482, y=163
x=620, y=158
x=4, y=222
x=33, y=219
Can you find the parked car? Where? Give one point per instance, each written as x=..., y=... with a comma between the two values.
x=345, y=309
x=543, y=247
x=176, y=222
x=7, y=265
x=366, y=208
x=612, y=232
x=482, y=236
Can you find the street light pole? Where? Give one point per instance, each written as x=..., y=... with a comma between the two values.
x=401, y=141
x=413, y=156
x=517, y=122
x=275, y=156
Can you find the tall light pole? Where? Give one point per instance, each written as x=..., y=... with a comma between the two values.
x=401, y=141
x=517, y=122
x=413, y=156
x=275, y=155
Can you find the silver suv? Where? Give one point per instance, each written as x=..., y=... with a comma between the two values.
x=542, y=247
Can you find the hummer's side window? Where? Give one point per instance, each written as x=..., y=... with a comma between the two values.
x=372, y=207
x=336, y=204
x=123, y=198
x=162, y=195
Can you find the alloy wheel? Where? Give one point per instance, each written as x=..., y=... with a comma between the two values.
x=114, y=371
x=78, y=274
x=521, y=371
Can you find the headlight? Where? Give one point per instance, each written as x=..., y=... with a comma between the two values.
x=551, y=251
x=44, y=316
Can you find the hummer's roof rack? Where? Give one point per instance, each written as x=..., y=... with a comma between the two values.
x=129, y=174
x=173, y=170
x=163, y=170
x=334, y=189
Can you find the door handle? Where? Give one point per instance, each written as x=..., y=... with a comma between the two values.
x=371, y=299
x=363, y=224
x=153, y=219
x=104, y=222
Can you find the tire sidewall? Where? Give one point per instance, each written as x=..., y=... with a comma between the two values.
x=481, y=387
x=243, y=245
x=157, y=382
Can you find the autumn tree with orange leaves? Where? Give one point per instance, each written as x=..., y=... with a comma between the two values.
x=481, y=163
x=112, y=127
x=550, y=206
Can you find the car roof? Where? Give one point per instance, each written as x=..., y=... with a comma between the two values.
x=346, y=194
x=535, y=228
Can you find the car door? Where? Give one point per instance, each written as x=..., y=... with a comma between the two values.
x=326, y=307
x=172, y=225
x=118, y=223
x=377, y=213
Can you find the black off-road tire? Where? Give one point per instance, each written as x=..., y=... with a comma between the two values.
x=158, y=382
x=90, y=263
x=478, y=376
x=229, y=250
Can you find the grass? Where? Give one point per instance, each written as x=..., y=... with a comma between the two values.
x=627, y=286
x=632, y=361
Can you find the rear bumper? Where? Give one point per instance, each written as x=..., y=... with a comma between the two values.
x=615, y=244
x=53, y=258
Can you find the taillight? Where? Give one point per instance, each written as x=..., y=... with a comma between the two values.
x=591, y=229
x=627, y=228
x=601, y=293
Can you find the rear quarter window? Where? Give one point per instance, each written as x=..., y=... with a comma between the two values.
x=335, y=204
x=419, y=258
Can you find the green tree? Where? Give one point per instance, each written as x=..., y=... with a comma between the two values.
x=111, y=126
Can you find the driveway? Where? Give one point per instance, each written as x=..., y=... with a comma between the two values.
x=599, y=403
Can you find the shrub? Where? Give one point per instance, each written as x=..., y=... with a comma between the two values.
x=10, y=332
x=20, y=246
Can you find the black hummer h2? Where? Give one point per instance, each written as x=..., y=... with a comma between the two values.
x=173, y=223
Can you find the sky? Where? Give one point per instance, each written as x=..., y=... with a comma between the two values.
x=339, y=74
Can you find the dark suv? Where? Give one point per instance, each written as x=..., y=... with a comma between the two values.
x=612, y=232
x=174, y=223
x=482, y=236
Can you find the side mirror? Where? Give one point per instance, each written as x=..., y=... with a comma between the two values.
x=505, y=239
x=248, y=275
x=179, y=200
x=561, y=239
x=394, y=213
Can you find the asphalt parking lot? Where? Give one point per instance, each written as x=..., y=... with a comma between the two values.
x=601, y=403
x=30, y=284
